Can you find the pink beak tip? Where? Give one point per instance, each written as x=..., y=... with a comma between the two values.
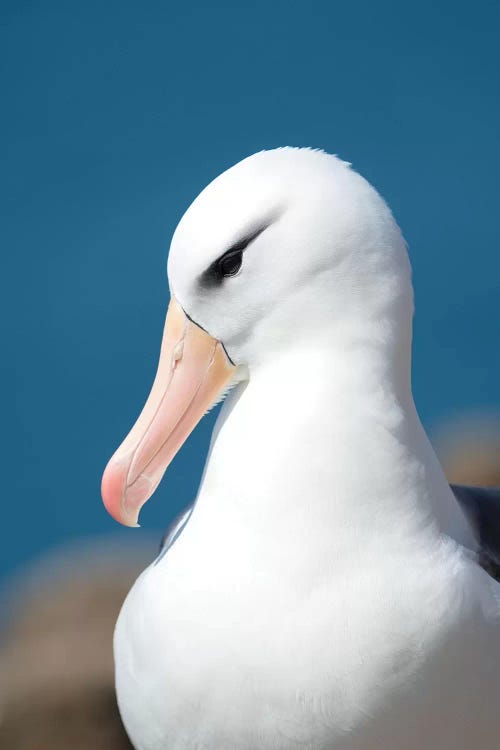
x=113, y=493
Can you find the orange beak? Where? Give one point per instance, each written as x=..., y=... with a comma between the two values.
x=192, y=372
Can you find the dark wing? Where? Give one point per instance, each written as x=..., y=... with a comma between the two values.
x=482, y=506
x=174, y=531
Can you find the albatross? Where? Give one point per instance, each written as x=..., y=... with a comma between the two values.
x=328, y=589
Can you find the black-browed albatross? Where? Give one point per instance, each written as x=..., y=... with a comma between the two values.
x=326, y=591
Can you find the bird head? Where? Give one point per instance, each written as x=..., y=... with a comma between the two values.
x=280, y=248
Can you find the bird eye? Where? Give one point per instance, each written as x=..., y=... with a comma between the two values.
x=230, y=263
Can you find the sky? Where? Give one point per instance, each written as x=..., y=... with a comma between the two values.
x=116, y=114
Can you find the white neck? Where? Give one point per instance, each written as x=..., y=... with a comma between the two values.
x=329, y=447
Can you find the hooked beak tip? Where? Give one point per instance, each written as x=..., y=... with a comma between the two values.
x=114, y=493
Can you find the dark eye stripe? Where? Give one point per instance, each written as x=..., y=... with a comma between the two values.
x=229, y=263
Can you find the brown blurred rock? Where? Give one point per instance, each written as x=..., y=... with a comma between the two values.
x=84, y=718
x=469, y=450
x=56, y=662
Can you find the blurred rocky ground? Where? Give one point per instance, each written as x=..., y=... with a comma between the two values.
x=56, y=665
x=469, y=450
x=56, y=657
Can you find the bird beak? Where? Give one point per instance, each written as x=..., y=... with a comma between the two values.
x=192, y=372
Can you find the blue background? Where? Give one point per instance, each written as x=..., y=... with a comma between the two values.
x=116, y=114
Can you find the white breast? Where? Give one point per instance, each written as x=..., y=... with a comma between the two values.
x=269, y=626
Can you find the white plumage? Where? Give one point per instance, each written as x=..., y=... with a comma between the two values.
x=324, y=594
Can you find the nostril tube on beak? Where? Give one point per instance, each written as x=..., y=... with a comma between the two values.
x=177, y=353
